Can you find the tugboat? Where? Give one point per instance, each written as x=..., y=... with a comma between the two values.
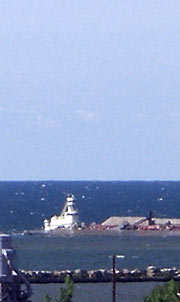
x=68, y=218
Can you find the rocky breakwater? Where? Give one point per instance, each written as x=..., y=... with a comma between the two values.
x=151, y=273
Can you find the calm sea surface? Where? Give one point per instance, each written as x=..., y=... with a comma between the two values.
x=95, y=251
x=92, y=252
x=126, y=292
x=24, y=205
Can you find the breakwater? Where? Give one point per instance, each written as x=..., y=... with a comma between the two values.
x=151, y=273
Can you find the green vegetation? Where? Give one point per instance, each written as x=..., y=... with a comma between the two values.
x=165, y=293
x=48, y=299
x=66, y=293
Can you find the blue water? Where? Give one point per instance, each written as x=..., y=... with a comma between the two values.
x=24, y=205
x=95, y=251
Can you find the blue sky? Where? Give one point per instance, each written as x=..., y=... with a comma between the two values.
x=90, y=90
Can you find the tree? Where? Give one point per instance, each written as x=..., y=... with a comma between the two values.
x=48, y=299
x=66, y=293
x=165, y=293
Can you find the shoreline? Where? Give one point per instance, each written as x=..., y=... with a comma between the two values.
x=117, y=225
x=96, y=232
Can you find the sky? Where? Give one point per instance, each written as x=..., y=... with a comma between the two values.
x=90, y=90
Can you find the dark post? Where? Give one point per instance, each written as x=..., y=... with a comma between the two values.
x=114, y=279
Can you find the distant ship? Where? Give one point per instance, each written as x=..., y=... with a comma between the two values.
x=68, y=218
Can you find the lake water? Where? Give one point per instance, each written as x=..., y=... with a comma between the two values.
x=25, y=204
x=93, y=252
